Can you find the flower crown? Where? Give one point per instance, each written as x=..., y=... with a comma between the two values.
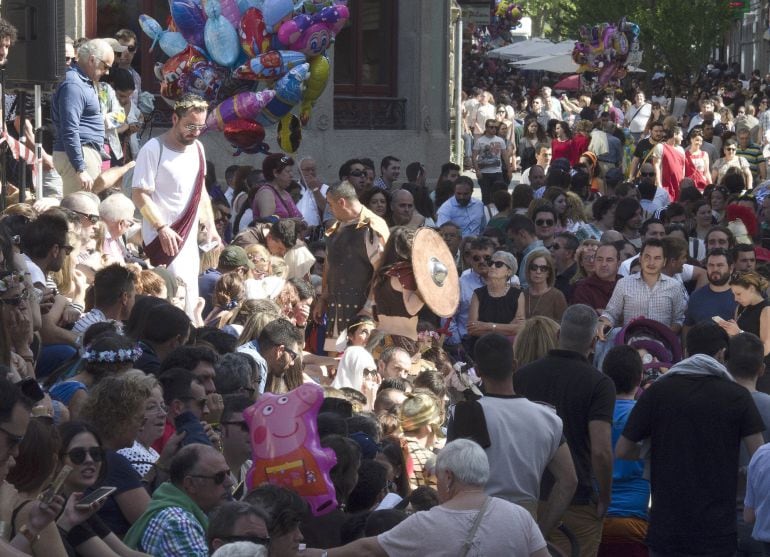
x=11, y=280
x=123, y=355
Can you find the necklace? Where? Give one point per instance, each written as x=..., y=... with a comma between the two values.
x=530, y=310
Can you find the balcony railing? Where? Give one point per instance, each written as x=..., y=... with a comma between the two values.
x=369, y=113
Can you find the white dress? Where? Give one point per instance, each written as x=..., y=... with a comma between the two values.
x=170, y=183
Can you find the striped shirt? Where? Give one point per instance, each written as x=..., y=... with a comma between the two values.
x=665, y=302
x=753, y=155
x=174, y=532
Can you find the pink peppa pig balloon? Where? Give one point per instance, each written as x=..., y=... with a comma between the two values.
x=286, y=448
x=243, y=105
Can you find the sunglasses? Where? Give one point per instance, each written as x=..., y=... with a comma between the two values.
x=497, y=264
x=195, y=127
x=78, y=455
x=291, y=353
x=13, y=439
x=647, y=174
x=68, y=59
x=356, y=173
x=131, y=48
x=544, y=222
x=542, y=268
x=67, y=248
x=480, y=258
x=730, y=149
x=554, y=247
x=16, y=300
x=218, y=478
x=242, y=424
x=93, y=218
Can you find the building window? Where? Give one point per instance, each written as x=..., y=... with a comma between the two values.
x=365, y=51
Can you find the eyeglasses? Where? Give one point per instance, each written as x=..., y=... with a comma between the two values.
x=156, y=408
x=356, y=173
x=13, y=439
x=253, y=539
x=105, y=64
x=291, y=353
x=498, y=264
x=78, y=455
x=539, y=268
x=730, y=149
x=218, y=478
x=244, y=426
x=67, y=248
x=16, y=300
x=93, y=218
x=544, y=222
x=480, y=258
x=194, y=127
x=68, y=59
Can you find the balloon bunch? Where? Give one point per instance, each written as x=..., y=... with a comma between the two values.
x=604, y=52
x=509, y=13
x=254, y=61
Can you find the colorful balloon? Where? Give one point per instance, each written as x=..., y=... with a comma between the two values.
x=231, y=12
x=286, y=447
x=312, y=35
x=204, y=78
x=276, y=12
x=190, y=20
x=171, y=43
x=220, y=36
x=270, y=65
x=314, y=87
x=289, y=133
x=241, y=106
x=288, y=93
x=172, y=71
x=254, y=37
x=246, y=136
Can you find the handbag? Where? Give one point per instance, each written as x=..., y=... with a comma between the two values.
x=476, y=522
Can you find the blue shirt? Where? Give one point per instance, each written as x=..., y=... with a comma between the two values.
x=470, y=218
x=77, y=115
x=630, y=491
x=705, y=304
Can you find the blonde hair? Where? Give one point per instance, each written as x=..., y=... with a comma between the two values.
x=537, y=337
x=583, y=248
x=114, y=402
x=257, y=320
x=64, y=278
x=210, y=259
x=278, y=267
x=576, y=211
x=150, y=283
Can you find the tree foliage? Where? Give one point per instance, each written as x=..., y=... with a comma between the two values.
x=676, y=35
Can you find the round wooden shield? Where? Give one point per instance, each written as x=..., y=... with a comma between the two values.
x=435, y=272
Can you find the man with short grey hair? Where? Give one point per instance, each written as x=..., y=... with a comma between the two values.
x=236, y=374
x=584, y=399
x=77, y=115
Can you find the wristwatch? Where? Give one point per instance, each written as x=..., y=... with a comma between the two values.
x=27, y=533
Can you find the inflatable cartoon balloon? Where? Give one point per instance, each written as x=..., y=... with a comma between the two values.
x=288, y=93
x=241, y=106
x=270, y=65
x=220, y=36
x=286, y=449
x=231, y=12
x=312, y=35
x=246, y=136
x=289, y=133
x=190, y=20
x=172, y=43
x=314, y=86
x=203, y=79
x=276, y=12
x=254, y=37
x=173, y=70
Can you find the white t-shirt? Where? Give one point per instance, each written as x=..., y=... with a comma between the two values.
x=308, y=207
x=505, y=529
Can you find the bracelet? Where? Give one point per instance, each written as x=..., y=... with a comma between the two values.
x=27, y=533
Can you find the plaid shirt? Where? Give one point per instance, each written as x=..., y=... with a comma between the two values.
x=174, y=532
x=664, y=302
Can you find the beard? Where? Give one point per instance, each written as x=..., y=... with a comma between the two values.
x=721, y=279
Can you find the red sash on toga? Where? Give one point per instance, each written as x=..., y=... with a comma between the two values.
x=183, y=225
x=672, y=170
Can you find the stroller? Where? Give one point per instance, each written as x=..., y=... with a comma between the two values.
x=657, y=344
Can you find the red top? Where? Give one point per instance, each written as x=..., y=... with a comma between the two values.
x=672, y=170
x=564, y=150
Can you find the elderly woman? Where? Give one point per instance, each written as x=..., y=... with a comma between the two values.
x=731, y=160
x=497, y=307
x=541, y=298
x=466, y=518
x=117, y=213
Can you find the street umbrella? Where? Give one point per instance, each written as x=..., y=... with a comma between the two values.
x=569, y=83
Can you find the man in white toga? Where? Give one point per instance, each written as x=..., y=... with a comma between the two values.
x=168, y=188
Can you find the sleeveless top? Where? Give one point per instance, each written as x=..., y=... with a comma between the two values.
x=497, y=310
x=748, y=317
x=283, y=208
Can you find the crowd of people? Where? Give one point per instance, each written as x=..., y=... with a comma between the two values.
x=599, y=388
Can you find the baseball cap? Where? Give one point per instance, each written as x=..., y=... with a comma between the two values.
x=115, y=45
x=235, y=256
